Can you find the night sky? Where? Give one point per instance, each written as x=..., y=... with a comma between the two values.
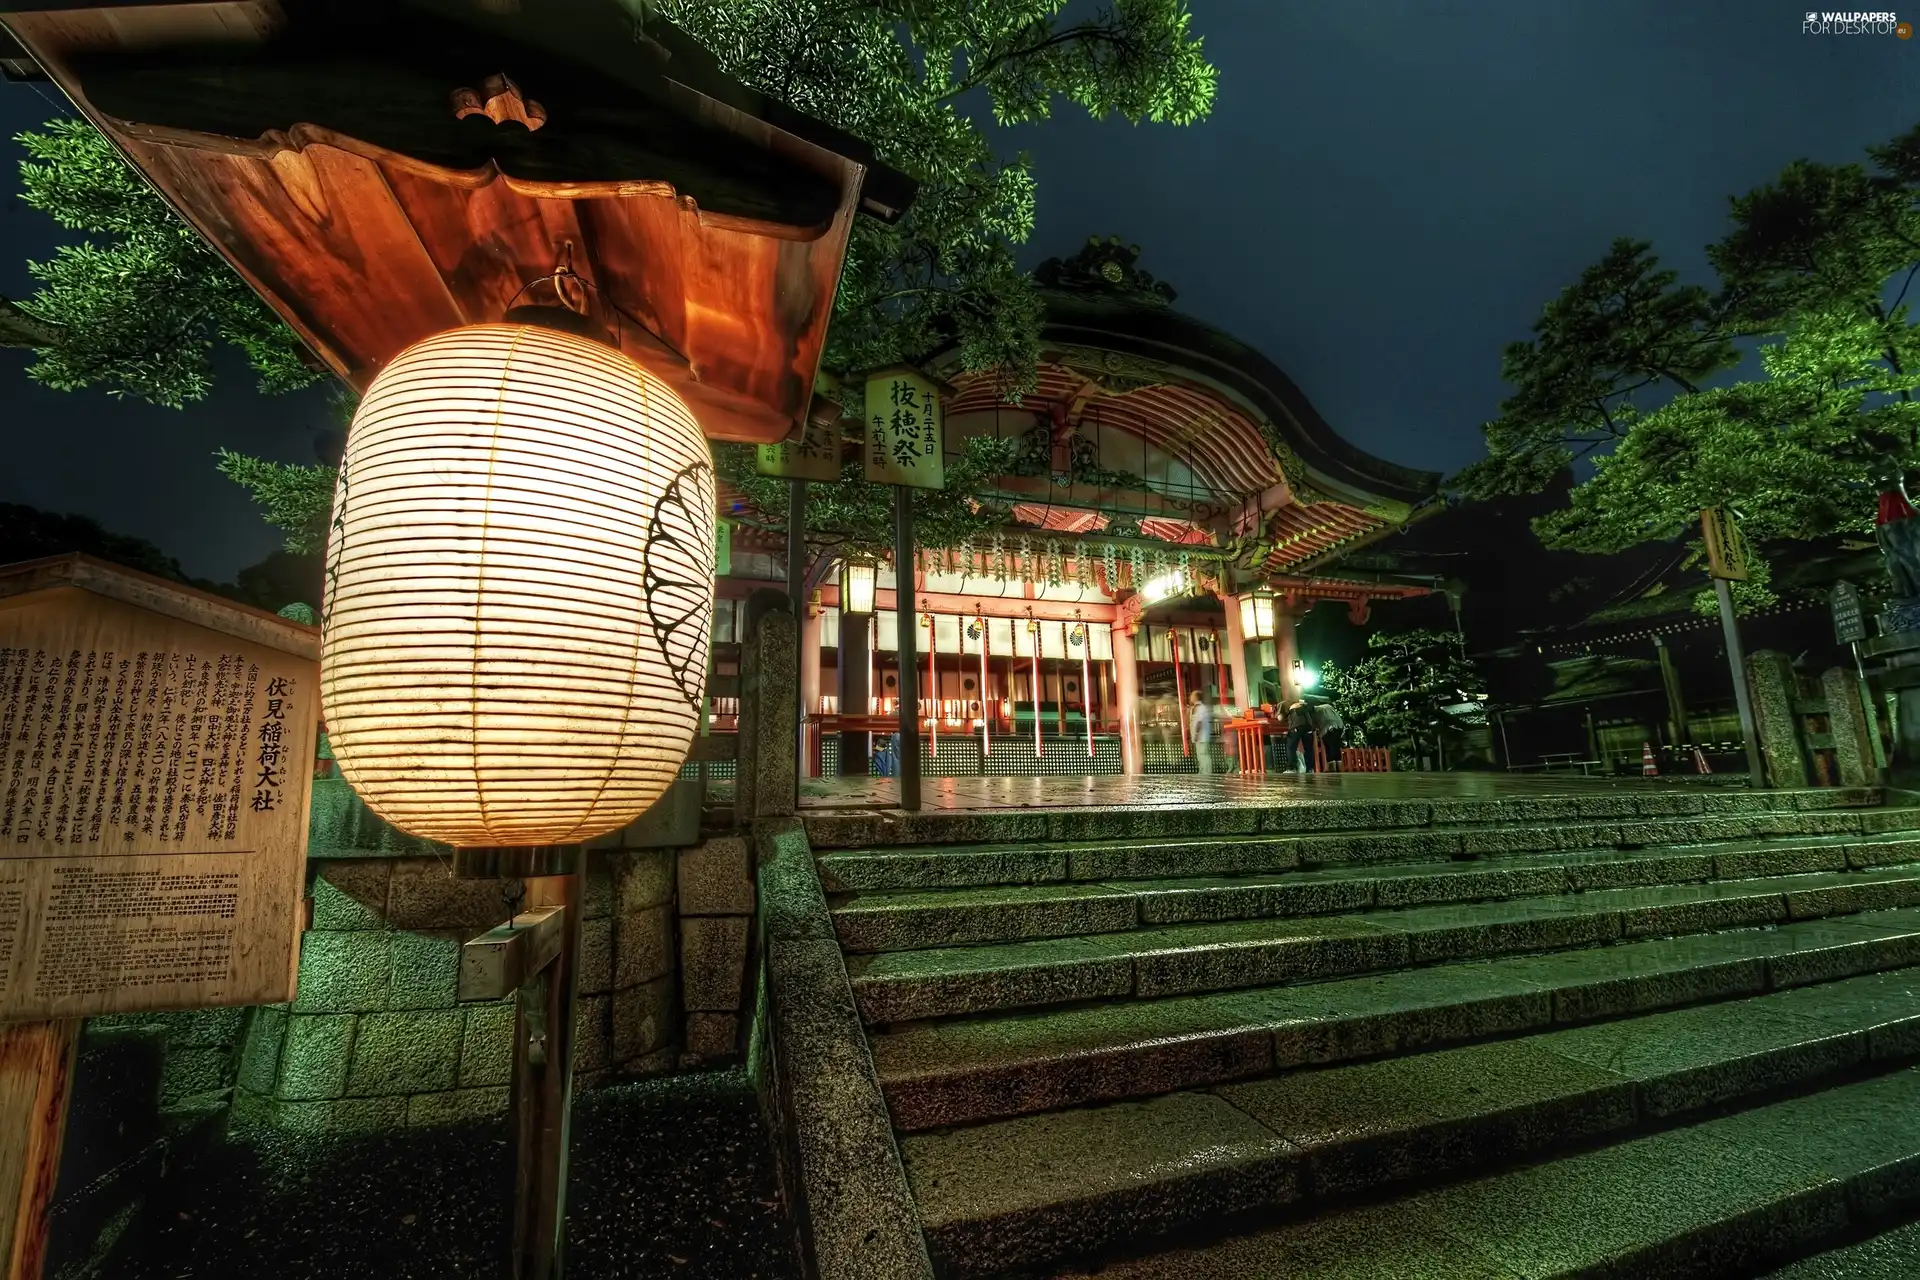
x=1388, y=191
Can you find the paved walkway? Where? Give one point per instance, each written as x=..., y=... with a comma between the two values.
x=1165, y=791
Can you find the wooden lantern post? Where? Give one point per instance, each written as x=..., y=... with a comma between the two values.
x=156, y=768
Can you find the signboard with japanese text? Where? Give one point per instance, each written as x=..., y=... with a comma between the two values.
x=1726, y=551
x=1849, y=618
x=904, y=440
x=814, y=456
x=156, y=770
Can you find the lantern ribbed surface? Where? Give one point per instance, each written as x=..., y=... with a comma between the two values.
x=519, y=589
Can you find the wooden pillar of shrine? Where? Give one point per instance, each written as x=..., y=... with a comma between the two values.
x=1126, y=680
x=1245, y=695
x=1286, y=648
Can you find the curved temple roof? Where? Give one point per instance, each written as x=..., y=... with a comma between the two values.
x=1222, y=438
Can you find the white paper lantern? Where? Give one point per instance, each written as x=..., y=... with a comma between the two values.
x=519, y=589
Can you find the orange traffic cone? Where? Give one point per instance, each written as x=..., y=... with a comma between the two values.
x=1648, y=768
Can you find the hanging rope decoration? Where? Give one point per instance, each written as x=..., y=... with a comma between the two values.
x=966, y=557
x=1054, y=575
x=1023, y=559
x=1110, y=561
x=1083, y=567
x=1136, y=566
x=999, y=566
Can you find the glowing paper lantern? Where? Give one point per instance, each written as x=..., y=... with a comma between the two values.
x=519, y=589
x=856, y=587
x=1256, y=616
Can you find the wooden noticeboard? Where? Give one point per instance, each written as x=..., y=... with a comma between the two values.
x=156, y=767
x=1849, y=615
x=814, y=456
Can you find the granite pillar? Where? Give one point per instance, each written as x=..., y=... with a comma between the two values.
x=1847, y=718
x=1771, y=680
x=766, y=781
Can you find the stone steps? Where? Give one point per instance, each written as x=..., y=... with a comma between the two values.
x=1036, y=1189
x=1728, y=1196
x=1011, y=862
x=1313, y=808
x=916, y=919
x=963, y=1070
x=1893, y=1254
x=902, y=986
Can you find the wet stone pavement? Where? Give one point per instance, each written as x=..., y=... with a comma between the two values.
x=670, y=1178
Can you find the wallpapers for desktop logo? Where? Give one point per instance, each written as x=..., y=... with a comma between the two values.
x=1856, y=24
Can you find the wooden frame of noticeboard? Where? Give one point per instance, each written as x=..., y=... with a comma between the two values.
x=156, y=766
x=156, y=770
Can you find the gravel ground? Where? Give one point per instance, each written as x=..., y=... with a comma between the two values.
x=670, y=1178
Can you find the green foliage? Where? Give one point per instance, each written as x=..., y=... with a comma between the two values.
x=856, y=517
x=138, y=312
x=292, y=498
x=1815, y=268
x=139, y=315
x=1405, y=691
x=28, y=533
x=896, y=73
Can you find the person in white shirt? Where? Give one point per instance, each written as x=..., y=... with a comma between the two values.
x=1202, y=727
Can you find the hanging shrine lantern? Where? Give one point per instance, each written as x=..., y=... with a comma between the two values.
x=519, y=589
x=1257, y=615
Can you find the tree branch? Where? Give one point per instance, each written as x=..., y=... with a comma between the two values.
x=18, y=329
x=981, y=74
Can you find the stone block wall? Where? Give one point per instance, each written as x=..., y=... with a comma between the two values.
x=375, y=1037
x=197, y=1050
x=715, y=906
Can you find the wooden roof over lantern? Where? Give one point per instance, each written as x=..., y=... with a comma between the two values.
x=383, y=170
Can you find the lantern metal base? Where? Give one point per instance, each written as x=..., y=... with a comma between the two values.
x=515, y=862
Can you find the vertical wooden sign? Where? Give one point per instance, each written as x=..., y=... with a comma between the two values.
x=156, y=767
x=904, y=430
x=815, y=456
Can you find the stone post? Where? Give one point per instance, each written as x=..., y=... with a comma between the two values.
x=1126, y=680
x=1772, y=682
x=1852, y=743
x=766, y=777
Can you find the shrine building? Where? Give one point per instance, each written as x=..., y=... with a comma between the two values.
x=1176, y=506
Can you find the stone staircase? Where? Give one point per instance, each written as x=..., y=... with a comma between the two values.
x=1630, y=1030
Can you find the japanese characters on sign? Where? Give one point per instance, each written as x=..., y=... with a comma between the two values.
x=267, y=787
x=155, y=775
x=1849, y=618
x=1726, y=551
x=904, y=444
x=814, y=456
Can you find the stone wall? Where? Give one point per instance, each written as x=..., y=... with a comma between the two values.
x=375, y=1036
x=715, y=904
x=196, y=1051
